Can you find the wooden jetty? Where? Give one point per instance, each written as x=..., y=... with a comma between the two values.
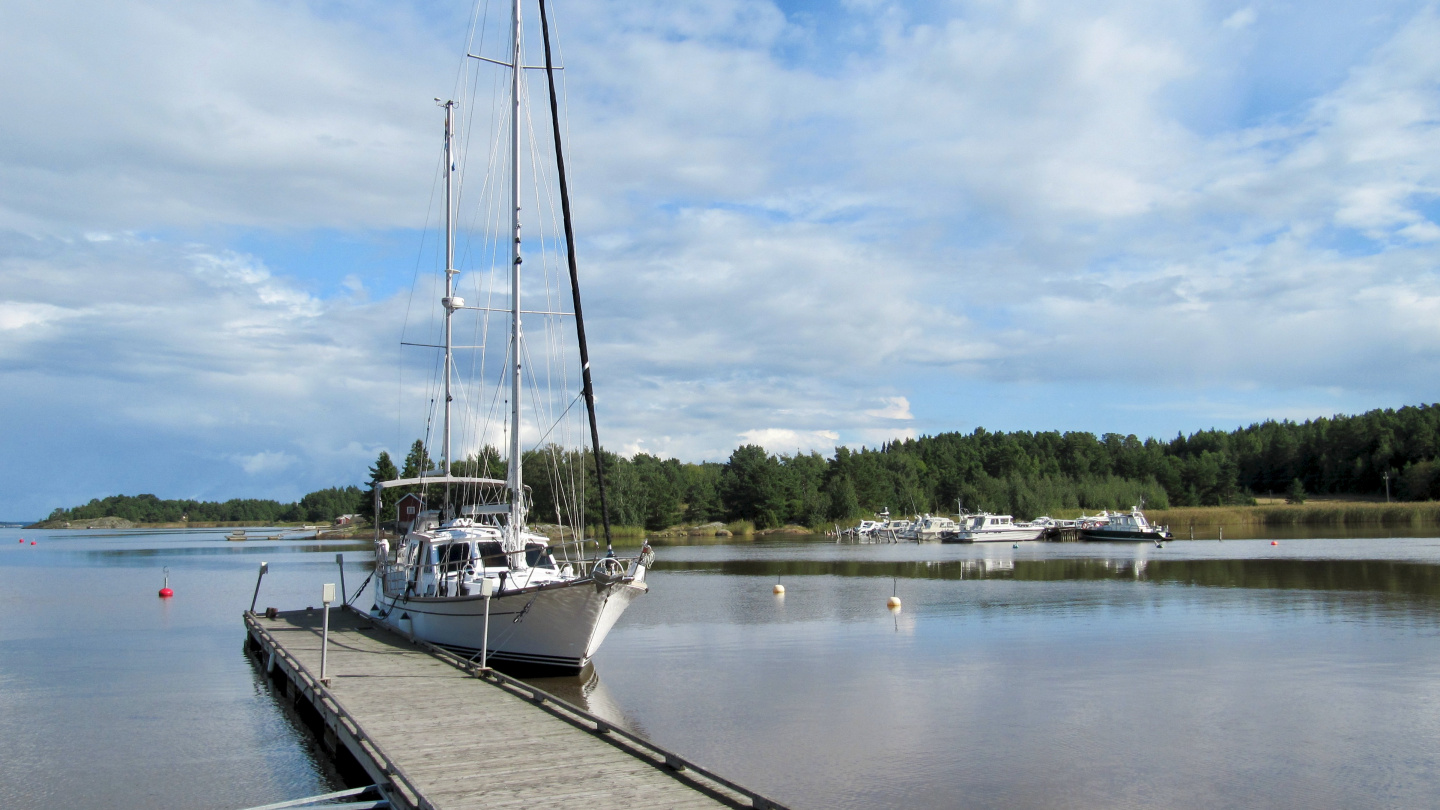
x=436, y=732
x=1062, y=534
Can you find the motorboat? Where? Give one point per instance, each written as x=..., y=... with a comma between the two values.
x=1122, y=527
x=930, y=527
x=987, y=528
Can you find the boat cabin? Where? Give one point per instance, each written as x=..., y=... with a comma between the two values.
x=453, y=563
x=985, y=521
x=1133, y=522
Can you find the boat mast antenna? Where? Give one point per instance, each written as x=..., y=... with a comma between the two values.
x=588, y=388
x=517, y=486
x=450, y=302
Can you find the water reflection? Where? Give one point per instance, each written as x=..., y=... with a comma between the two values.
x=1092, y=676
x=1077, y=675
x=588, y=691
x=1387, y=576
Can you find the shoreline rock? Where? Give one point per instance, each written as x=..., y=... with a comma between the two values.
x=91, y=523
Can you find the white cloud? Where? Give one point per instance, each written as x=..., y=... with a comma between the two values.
x=786, y=441
x=894, y=408
x=967, y=197
x=1242, y=18
x=154, y=114
x=20, y=315
x=266, y=462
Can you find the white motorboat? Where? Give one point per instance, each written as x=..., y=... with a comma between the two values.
x=897, y=529
x=470, y=576
x=931, y=527
x=987, y=528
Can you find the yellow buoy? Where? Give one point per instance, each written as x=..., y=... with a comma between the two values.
x=779, y=589
x=893, y=602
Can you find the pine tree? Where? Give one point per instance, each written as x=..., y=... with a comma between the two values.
x=384, y=470
x=1296, y=492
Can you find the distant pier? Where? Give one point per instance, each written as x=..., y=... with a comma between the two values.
x=435, y=732
x=1062, y=534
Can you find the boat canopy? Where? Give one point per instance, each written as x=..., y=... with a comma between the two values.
x=440, y=479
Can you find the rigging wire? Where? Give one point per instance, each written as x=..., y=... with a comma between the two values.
x=589, y=389
x=484, y=237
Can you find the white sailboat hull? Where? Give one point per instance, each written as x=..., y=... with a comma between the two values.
x=557, y=626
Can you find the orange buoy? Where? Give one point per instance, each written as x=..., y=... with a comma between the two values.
x=165, y=592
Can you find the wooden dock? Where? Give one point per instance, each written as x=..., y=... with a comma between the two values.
x=1062, y=534
x=435, y=732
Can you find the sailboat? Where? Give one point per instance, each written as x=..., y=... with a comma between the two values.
x=472, y=576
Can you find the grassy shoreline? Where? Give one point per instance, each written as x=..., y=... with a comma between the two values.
x=1315, y=513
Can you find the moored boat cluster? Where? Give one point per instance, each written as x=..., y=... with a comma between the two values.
x=984, y=527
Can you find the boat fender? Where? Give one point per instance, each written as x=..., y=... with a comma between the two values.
x=607, y=570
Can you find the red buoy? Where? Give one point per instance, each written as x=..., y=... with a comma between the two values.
x=1274, y=542
x=22, y=539
x=165, y=592
x=32, y=542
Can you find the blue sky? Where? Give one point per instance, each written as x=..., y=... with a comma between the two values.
x=801, y=224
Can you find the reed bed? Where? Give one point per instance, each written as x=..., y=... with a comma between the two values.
x=1323, y=513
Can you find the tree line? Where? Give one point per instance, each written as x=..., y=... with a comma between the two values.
x=320, y=506
x=1020, y=473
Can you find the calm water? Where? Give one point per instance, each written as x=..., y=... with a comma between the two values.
x=1200, y=675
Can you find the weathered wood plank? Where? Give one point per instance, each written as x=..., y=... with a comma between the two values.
x=466, y=742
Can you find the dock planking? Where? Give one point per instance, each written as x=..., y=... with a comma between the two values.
x=435, y=731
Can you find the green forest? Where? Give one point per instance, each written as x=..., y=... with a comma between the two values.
x=1020, y=473
x=321, y=506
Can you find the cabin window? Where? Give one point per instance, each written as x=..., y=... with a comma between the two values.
x=538, y=556
x=492, y=555
x=455, y=555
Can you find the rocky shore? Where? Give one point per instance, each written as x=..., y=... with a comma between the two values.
x=92, y=523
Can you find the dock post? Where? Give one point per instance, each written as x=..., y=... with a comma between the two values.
x=264, y=566
x=326, y=597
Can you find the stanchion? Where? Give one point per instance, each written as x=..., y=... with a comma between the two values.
x=264, y=566
x=487, y=586
x=340, y=561
x=326, y=597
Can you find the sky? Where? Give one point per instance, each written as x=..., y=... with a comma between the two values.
x=799, y=224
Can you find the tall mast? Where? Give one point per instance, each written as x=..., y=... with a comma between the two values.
x=587, y=387
x=450, y=303
x=517, y=489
